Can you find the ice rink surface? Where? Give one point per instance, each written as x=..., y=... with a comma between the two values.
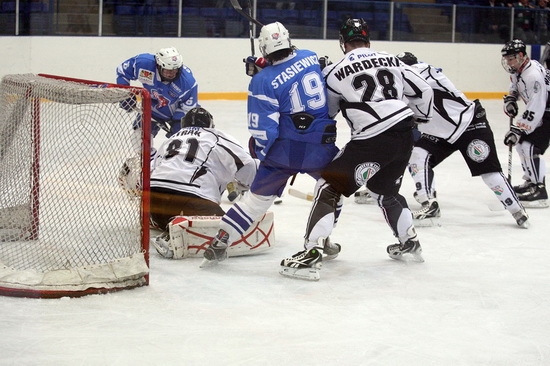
x=482, y=297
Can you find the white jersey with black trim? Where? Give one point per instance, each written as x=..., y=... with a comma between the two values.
x=532, y=85
x=370, y=87
x=453, y=111
x=201, y=161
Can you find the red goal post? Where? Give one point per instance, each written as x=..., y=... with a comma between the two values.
x=66, y=226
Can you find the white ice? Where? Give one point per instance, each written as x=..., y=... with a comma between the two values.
x=482, y=297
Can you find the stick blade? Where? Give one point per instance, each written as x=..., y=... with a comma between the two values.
x=299, y=194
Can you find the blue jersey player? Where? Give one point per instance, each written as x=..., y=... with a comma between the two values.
x=171, y=84
x=290, y=127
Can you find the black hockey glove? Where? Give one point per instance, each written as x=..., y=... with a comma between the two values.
x=324, y=62
x=419, y=120
x=129, y=104
x=512, y=137
x=510, y=106
x=254, y=65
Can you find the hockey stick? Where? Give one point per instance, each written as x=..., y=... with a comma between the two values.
x=251, y=28
x=235, y=4
x=510, y=155
x=299, y=194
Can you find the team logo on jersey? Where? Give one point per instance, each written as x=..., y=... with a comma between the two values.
x=161, y=100
x=363, y=172
x=413, y=169
x=146, y=76
x=478, y=150
x=498, y=190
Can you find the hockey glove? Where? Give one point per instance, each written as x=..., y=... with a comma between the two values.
x=324, y=62
x=419, y=120
x=235, y=189
x=510, y=106
x=254, y=65
x=512, y=137
x=129, y=104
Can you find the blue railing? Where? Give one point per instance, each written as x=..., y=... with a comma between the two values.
x=458, y=21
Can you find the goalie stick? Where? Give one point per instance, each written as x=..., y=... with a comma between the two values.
x=235, y=4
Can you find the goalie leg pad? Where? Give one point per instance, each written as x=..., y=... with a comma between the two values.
x=191, y=235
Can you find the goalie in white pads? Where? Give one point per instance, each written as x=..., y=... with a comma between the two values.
x=458, y=124
x=368, y=87
x=531, y=132
x=190, y=172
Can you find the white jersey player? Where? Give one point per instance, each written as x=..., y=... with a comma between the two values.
x=458, y=124
x=368, y=87
x=192, y=169
x=530, y=133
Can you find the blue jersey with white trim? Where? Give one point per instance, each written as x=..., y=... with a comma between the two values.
x=288, y=113
x=170, y=100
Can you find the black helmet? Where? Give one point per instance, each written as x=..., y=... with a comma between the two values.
x=513, y=47
x=354, y=30
x=197, y=117
x=407, y=58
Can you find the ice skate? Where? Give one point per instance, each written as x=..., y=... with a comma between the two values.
x=303, y=265
x=428, y=215
x=535, y=196
x=523, y=187
x=216, y=251
x=330, y=249
x=363, y=198
x=162, y=245
x=410, y=249
x=522, y=219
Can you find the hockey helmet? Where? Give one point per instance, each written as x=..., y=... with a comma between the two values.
x=197, y=117
x=407, y=58
x=169, y=58
x=514, y=56
x=513, y=47
x=354, y=30
x=273, y=37
x=169, y=63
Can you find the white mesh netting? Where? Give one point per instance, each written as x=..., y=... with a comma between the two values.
x=65, y=223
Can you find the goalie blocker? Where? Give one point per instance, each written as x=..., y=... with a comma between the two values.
x=189, y=237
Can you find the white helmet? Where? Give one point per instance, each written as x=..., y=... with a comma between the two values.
x=273, y=37
x=169, y=58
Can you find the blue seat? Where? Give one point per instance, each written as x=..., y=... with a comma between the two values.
x=311, y=17
x=190, y=10
x=8, y=7
x=271, y=15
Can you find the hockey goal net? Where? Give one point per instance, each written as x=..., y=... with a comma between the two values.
x=66, y=226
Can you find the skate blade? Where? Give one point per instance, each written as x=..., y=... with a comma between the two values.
x=525, y=225
x=535, y=204
x=329, y=257
x=431, y=222
x=163, y=251
x=408, y=257
x=310, y=274
x=206, y=263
